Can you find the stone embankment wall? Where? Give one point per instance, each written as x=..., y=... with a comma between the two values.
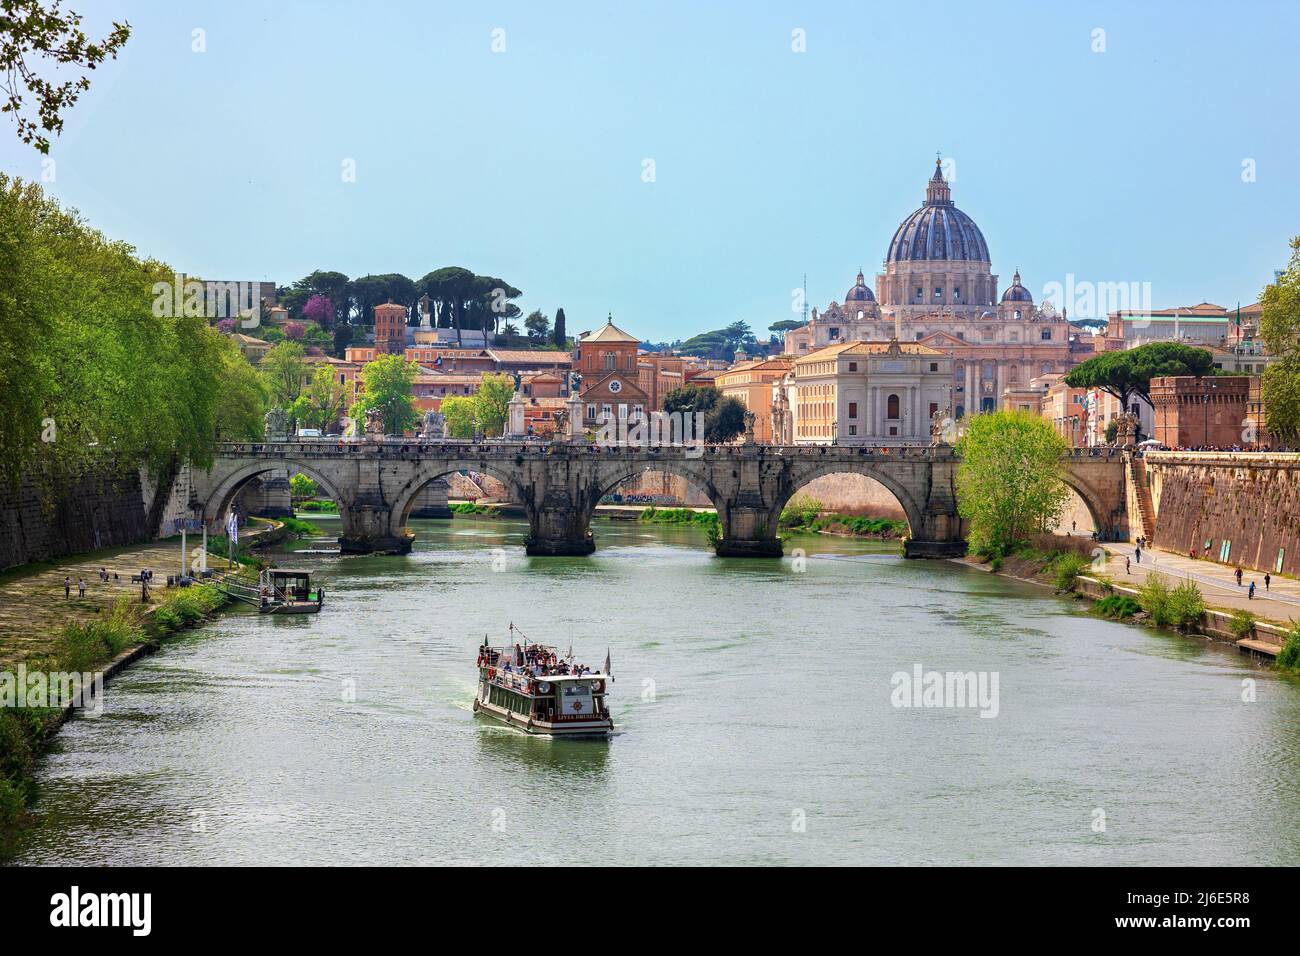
x=93, y=511
x=1248, y=502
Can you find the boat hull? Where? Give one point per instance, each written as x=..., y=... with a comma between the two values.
x=542, y=728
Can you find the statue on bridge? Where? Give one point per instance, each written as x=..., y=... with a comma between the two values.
x=750, y=418
x=276, y=424
x=575, y=383
x=374, y=424
x=1127, y=426
x=942, y=427
x=435, y=425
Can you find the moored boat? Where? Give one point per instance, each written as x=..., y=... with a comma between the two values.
x=282, y=591
x=536, y=689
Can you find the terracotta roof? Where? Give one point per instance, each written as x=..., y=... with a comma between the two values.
x=609, y=332
x=528, y=355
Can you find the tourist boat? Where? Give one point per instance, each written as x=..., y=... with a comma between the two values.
x=534, y=688
x=282, y=591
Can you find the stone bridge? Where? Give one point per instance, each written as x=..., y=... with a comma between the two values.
x=376, y=484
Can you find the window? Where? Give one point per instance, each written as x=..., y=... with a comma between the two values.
x=938, y=293
x=956, y=294
x=1016, y=314
x=934, y=407
x=934, y=366
x=853, y=409
x=918, y=335
x=591, y=411
x=1047, y=335
x=892, y=408
x=609, y=361
x=893, y=430
x=853, y=429
x=853, y=366
x=606, y=410
x=920, y=294
x=834, y=333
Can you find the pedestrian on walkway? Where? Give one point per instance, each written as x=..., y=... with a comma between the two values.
x=1128, y=566
x=1250, y=592
x=1137, y=554
x=1267, y=578
x=81, y=587
x=67, y=587
x=1238, y=574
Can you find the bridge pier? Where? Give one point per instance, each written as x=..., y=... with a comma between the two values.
x=748, y=531
x=558, y=531
x=366, y=530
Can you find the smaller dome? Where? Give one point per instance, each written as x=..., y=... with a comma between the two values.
x=859, y=292
x=1017, y=292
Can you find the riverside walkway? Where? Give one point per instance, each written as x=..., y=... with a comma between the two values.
x=1280, y=603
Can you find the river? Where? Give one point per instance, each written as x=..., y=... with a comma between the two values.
x=757, y=715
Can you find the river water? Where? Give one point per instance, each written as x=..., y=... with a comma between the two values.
x=757, y=715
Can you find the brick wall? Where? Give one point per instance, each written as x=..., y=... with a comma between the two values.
x=95, y=511
x=1251, y=501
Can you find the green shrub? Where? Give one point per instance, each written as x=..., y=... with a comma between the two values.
x=1065, y=567
x=1186, y=606
x=318, y=505
x=1289, y=656
x=83, y=647
x=1117, y=606
x=298, y=526
x=996, y=562
x=1242, y=624
x=801, y=510
x=187, y=607
x=1154, y=597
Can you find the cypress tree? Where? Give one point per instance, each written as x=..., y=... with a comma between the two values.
x=558, y=331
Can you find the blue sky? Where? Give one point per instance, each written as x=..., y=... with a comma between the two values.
x=1115, y=166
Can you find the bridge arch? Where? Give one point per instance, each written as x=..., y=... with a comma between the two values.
x=610, y=474
x=1102, y=518
x=223, y=495
x=801, y=477
x=410, y=490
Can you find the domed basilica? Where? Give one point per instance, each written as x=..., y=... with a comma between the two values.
x=938, y=288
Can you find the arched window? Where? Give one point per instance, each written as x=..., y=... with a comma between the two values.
x=892, y=407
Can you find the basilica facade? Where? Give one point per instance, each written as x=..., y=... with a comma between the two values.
x=938, y=289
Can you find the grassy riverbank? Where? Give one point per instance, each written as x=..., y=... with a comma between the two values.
x=81, y=647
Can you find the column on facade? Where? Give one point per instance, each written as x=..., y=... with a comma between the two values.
x=972, y=405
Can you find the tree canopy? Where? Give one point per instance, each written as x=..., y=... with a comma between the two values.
x=90, y=370
x=724, y=417
x=1009, y=482
x=1128, y=373
x=1279, y=327
x=388, y=383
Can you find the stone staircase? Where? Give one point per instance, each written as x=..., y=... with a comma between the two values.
x=1146, y=525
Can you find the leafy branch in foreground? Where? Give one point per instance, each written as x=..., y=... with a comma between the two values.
x=35, y=30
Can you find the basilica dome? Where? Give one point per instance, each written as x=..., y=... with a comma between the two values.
x=859, y=292
x=1016, y=292
x=938, y=230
